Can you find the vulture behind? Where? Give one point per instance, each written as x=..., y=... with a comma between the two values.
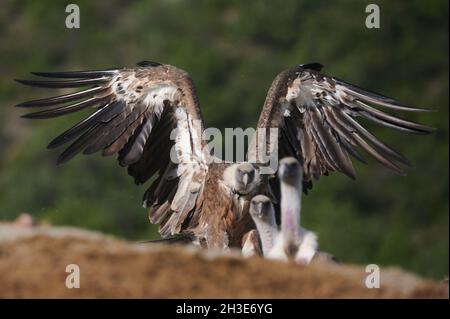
x=263, y=215
x=291, y=241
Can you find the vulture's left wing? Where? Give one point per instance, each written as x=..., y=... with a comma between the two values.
x=316, y=117
x=150, y=117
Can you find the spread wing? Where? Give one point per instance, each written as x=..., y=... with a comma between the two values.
x=317, y=120
x=149, y=116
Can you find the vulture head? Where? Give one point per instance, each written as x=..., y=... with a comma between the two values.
x=242, y=178
x=261, y=209
x=290, y=171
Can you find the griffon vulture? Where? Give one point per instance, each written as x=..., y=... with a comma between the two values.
x=143, y=113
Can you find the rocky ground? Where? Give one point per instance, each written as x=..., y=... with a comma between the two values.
x=33, y=262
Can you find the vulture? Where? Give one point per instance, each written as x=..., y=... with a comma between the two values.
x=292, y=241
x=149, y=116
x=262, y=239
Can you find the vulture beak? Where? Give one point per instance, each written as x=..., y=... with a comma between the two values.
x=245, y=180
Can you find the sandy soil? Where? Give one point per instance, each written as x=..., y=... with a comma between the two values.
x=33, y=260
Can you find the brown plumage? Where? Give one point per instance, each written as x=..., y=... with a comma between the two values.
x=251, y=244
x=229, y=219
x=150, y=117
x=316, y=117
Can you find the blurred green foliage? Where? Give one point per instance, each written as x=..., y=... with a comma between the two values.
x=233, y=50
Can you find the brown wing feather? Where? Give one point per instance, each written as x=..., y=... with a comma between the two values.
x=136, y=111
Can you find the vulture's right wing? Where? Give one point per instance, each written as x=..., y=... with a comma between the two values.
x=150, y=117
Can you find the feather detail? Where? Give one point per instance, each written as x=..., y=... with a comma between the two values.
x=318, y=114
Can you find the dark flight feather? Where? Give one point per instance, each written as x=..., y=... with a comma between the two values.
x=102, y=115
x=66, y=83
x=77, y=74
x=62, y=98
x=148, y=63
x=63, y=110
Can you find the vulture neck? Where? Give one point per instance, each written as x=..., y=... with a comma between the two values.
x=267, y=232
x=290, y=212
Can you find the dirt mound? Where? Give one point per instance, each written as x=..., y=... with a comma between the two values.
x=33, y=261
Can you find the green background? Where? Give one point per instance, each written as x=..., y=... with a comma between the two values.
x=233, y=50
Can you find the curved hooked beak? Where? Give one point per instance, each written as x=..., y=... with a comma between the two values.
x=245, y=180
